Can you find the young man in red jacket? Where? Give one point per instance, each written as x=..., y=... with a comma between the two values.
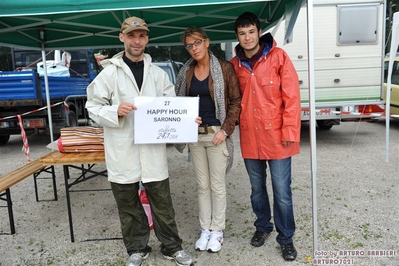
x=269, y=128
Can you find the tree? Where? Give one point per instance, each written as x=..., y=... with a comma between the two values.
x=5, y=59
x=158, y=53
x=392, y=7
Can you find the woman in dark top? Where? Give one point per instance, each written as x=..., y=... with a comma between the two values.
x=215, y=83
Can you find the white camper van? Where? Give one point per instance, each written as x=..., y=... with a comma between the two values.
x=348, y=53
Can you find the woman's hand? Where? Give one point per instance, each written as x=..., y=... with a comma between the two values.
x=219, y=137
x=198, y=120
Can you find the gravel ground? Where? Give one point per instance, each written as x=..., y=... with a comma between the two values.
x=357, y=193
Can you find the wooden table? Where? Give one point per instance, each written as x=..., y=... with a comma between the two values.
x=59, y=158
x=71, y=160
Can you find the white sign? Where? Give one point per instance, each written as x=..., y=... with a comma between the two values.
x=165, y=119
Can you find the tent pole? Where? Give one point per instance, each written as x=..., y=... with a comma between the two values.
x=312, y=120
x=392, y=55
x=50, y=120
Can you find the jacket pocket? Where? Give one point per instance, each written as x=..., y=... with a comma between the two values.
x=273, y=123
x=272, y=129
x=271, y=85
x=243, y=124
x=226, y=151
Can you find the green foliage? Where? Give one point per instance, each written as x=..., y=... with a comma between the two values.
x=158, y=53
x=5, y=59
x=392, y=7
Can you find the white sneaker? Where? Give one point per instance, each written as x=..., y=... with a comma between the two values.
x=136, y=259
x=215, y=241
x=202, y=242
x=181, y=258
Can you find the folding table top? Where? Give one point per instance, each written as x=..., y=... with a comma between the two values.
x=59, y=158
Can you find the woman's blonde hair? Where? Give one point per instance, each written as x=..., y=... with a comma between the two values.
x=193, y=31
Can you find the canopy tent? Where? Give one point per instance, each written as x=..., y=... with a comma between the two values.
x=71, y=24
x=67, y=24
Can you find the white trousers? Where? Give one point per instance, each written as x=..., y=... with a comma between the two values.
x=210, y=164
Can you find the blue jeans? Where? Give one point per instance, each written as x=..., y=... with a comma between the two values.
x=280, y=171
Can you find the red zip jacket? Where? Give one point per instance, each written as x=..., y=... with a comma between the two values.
x=270, y=104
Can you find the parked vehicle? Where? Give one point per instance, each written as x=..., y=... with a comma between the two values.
x=348, y=59
x=171, y=68
x=23, y=92
x=394, y=103
x=179, y=64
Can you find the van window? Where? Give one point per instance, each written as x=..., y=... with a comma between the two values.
x=357, y=24
x=168, y=71
x=395, y=72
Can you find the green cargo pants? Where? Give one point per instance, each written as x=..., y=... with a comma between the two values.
x=134, y=223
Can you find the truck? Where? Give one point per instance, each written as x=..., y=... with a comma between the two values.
x=23, y=91
x=348, y=59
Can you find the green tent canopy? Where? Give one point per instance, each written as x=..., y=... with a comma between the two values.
x=67, y=24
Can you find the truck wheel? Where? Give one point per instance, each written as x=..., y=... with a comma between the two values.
x=324, y=124
x=72, y=119
x=4, y=139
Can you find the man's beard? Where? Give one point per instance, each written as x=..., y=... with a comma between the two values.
x=134, y=53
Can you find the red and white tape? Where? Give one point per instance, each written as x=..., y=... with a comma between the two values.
x=25, y=146
x=35, y=111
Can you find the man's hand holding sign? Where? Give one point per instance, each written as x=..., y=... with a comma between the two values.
x=125, y=108
x=165, y=119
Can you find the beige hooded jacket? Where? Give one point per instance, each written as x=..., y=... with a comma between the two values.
x=127, y=162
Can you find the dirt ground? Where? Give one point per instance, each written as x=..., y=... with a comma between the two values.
x=355, y=201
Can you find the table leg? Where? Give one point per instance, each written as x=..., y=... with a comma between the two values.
x=10, y=212
x=54, y=182
x=66, y=177
x=50, y=170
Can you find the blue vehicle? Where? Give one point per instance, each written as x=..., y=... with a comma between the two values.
x=23, y=92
